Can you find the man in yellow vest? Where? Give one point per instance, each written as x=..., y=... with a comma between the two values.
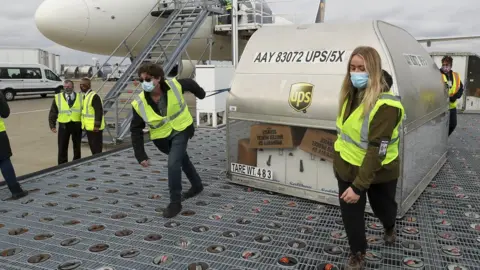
x=455, y=89
x=6, y=165
x=228, y=8
x=66, y=109
x=162, y=108
x=93, y=121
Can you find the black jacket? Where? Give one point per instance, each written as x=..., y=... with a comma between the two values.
x=137, y=125
x=5, y=150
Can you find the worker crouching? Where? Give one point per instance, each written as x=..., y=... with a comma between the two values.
x=366, y=149
x=162, y=107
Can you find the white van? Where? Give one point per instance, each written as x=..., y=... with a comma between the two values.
x=28, y=79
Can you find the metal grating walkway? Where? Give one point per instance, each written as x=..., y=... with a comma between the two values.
x=107, y=213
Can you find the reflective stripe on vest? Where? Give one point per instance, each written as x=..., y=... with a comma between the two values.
x=228, y=6
x=178, y=116
x=67, y=114
x=143, y=113
x=365, y=126
x=88, y=113
x=2, y=125
x=353, y=150
x=454, y=88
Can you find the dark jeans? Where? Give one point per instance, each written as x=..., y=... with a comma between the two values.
x=382, y=201
x=8, y=173
x=453, y=121
x=229, y=17
x=95, y=141
x=66, y=130
x=178, y=161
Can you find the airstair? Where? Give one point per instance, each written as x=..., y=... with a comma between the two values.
x=183, y=19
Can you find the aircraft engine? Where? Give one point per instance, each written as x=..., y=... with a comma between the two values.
x=183, y=69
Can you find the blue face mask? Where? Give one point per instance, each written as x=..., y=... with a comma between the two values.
x=148, y=86
x=359, y=79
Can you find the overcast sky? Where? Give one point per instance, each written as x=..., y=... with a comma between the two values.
x=422, y=18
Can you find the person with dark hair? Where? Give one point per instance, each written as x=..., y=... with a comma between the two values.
x=455, y=89
x=66, y=109
x=162, y=108
x=93, y=120
x=366, y=157
x=6, y=165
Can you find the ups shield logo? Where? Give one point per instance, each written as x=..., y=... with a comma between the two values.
x=300, y=97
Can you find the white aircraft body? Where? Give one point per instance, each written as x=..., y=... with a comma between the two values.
x=99, y=26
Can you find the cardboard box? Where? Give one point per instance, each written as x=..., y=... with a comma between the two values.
x=302, y=169
x=319, y=143
x=246, y=155
x=275, y=136
x=477, y=92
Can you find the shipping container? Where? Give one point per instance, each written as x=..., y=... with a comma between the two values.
x=467, y=65
x=281, y=137
x=30, y=56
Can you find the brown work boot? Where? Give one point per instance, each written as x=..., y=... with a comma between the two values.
x=356, y=262
x=390, y=236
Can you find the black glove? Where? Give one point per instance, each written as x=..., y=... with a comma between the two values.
x=452, y=99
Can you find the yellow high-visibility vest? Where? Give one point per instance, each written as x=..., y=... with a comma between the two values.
x=228, y=6
x=2, y=125
x=65, y=113
x=178, y=116
x=88, y=113
x=453, y=88
x=352, y=135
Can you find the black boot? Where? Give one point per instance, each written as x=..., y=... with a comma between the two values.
x=390, y=236
x=17, y=191
x=192, y=192
x=356, y=262
x=172, y=210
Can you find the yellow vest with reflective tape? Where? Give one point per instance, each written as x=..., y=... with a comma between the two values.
x=2, y=125
x=454, y=88
x=352, y=135
x=228, y=5
x=178, y=116
x=88, y=113
x=65, y=112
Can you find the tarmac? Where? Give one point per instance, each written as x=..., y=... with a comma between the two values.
x=34, y=146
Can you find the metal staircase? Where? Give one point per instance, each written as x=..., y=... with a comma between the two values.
x=165, y=48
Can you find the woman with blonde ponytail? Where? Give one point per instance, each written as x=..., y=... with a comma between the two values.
x=366, y=150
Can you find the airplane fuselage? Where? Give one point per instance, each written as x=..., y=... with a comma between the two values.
x=99, y=26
